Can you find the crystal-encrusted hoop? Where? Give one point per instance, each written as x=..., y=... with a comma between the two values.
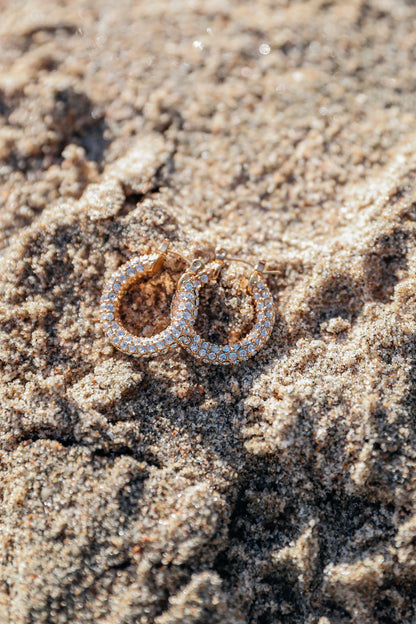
x=183, y=312
x=210, y=353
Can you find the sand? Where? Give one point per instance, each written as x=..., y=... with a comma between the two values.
x=279, y=491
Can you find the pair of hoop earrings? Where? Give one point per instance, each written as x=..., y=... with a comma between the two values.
x=184, y=310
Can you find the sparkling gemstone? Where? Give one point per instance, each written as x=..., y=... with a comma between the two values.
x=132, y=348
x=112, y=295
x=139, y=267
x=116, y=286
x=109, y=316
x=204, y=278
x=176, y=333
x=194, y=347
x=130, y=271
x=223, y=357
x=203, y=352
x=242, y=353
x=116, y=339
x=186, y=315
x=232, y=356
x=226, y=349
x=211, y=355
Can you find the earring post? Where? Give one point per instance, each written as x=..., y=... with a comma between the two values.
x=179, y=255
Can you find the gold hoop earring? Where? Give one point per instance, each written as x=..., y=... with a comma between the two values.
x=196, y=276
x=183, y=312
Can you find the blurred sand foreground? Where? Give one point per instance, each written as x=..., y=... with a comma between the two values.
x=165, y=491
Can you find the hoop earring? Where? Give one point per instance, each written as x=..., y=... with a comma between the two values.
x=182, y=316
x=194, y=279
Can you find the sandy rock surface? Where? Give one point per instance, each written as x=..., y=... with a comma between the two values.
x=278, y=491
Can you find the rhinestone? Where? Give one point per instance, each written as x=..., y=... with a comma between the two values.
x=176, y=333
x=202, y=352
x=211, y=355
x=132, y=348
x=188, y=286
x=139, y=267
x=223, y=357
x=188, y=305
x=110, y=333
x=112, y=295
x=204, y=278
x=151, y=348
x=110, y=307
x=130, y=271
x=121, y=332
x=141, y=349
x=233, y=356
x=186, y=340
x=105, y=325
x=226, y=349
x=194, y=346
x=263, y=332
x=242, y=353
x=123, y=345
x=260, y=305
x=109, y=316
x=169, y=339
x=186, y=314
x=251, y=349
x=116, y=339
x=160, y=344
x=116, y=286
x=266, y=323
